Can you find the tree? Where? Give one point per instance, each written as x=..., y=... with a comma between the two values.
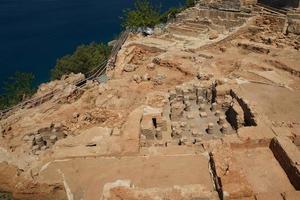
x=190, y=3
x=144, y=14
x=170, y=14
x=84, y=59
x=16, y=89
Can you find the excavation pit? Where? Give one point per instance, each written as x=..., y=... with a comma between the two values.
x=249, y=170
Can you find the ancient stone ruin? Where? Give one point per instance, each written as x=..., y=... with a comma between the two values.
x=207, y=107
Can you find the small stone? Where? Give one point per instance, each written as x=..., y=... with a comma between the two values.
x=146, y=77
x=203, y=114
x=202, y=107
x=183, y=124
x=224, y=129
x=116, y=132
x=211, y=125
x=210, y=129
x=43, y=148
x=223, y=49
x=195, y=133
x=156, y=60
x=190, y=116
x=137, y=78
x=188, y=106
x=222, y=119
x=130, y=68
x=58, y=125
x=200, y=100
x=178, y=90
x=218, y=113
x=53, y=138
x=186, y=98
x=214, y=107
x=76, y=115
x=38, y=138
x=213, y=35
x=159, y=78
x=35, y=147
x=151, y=66
x=184, y=139
x=26, y=138
x=203, y=77
x=172, y=95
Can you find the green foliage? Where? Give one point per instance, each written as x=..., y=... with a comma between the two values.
x=144, y=14
x=190, y=3
x=84, y=59
x=170, y=14
x=16, y=88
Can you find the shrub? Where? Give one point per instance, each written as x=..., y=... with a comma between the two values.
x=84, y=59
x=16, y=89
x=190, y=3
x=144, y=14
x=170, y=14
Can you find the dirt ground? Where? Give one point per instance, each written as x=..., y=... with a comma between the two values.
x=121, y=139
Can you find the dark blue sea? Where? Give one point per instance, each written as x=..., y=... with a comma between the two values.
x=34, y=33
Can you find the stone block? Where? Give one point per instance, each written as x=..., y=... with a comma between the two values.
x=116, y=132
x=158, y=134
x=162, y=123
x=130, y=68
x=210, y=128
x=282, y=131
x=203, y=114
x=269, y=196
x=292, y=195
x=147, y=128
x=202, y=107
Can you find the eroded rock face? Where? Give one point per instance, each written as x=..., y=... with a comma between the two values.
x=66, y=80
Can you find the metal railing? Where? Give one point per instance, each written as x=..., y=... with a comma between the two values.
x=91, y=75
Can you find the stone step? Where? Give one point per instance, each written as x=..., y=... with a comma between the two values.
x=180, y=30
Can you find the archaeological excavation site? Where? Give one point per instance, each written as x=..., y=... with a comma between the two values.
x=205, y=108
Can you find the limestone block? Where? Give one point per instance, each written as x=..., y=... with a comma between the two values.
x=162, y=123
x=116, y=132
x=148, y=129
x=203, y=114
x=130, y=68
x=159, y=133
